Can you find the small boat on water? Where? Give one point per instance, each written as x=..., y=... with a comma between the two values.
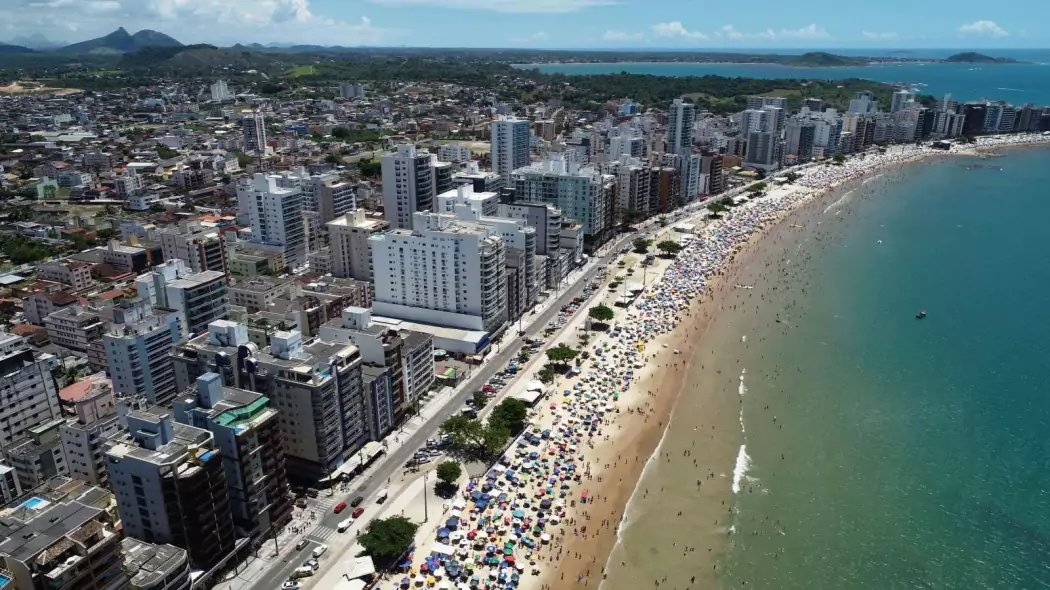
x=920, y=315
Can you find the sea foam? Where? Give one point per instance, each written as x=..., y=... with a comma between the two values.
x=743, y=464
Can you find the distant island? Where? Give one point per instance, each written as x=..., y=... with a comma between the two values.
x=971, y=57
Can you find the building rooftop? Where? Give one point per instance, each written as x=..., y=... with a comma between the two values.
x=148, y=564
x=260, y=284
x=197, y=279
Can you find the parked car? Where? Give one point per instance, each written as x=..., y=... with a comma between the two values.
x=290, y=585
x=319, y=550
x=357, y=501
x=357, y=512
x=301, y=544
x=340, y=507
x=312, y=564
x=302, y=572
x=311, y=493
x=301, y=503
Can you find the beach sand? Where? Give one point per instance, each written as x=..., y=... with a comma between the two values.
x=594, y=557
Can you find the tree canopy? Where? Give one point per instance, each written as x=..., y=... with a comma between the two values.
x=756, y=188
x=601, y=313
x=669, y=247
x=448, y=472
x=387, y=539
x=641, y=245
x=512, y=414
x=562, y=353
x=474, y=440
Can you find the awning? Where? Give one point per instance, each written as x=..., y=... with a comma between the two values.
x=443, y=549
x=534, y=386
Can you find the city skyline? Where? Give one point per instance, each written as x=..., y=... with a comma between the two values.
x=538, y=24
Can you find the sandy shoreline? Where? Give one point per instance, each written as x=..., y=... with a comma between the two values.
x=586, y=555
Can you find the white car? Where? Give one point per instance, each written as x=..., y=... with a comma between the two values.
x=303, y=572
x=319, y=550
x=344, y=525
x=290, y=585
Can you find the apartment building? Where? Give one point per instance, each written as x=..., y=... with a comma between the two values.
x=83, y=437
x=275, y=214
x=582, y=193
x=247, y=434
x=137, y=346
x=74, y=328
x=258, y=293
x=510, y=145
x=28, y=393
x=170, y=484
x=74, y=274
x=447, y=272
x=317, y=389
x=408, y=185
x=202, y=248
x=351, y=251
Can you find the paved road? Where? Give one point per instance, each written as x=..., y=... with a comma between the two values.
x=390, y=466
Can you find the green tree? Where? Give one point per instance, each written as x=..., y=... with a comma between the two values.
x=546, y=376
x=669, y=247
x=756, y=188
x=480, y=399
x=387, y=539
x=370, y=168
x=792, y=176
x=512, y=414
x=333, y=159
x=562, y=354
x=601, y=313
x=641, y=245
x=839, y=159
x=448, y=472
x=340, y=132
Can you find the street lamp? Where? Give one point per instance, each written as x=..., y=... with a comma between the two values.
x=426, y=515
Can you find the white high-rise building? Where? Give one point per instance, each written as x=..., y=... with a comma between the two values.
x=253, y=126
x=757, y=102
x=753, y=120
x=863, y=103
x=348, y=242
x=350, y=90
x=138, y=351
x=776, y=120
x=30, y=394
x=454, y=152
x=510, y=145
x=408, y=185
x=583, y=194
x=900, y=100
x=220, y=91
x=680, y=118
x=446, y=271
x=275, y=214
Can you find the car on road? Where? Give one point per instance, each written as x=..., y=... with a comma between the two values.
x=319, y=550
x=357, y=501
x=301, y=544
x=357, y=512
x=340, y=507
x=301, y=503
x=311, y=493
x=290, y=585
x=382, y=496
x=344, y=525
x=302, y=572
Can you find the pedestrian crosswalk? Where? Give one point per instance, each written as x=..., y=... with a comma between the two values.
x=322, y=533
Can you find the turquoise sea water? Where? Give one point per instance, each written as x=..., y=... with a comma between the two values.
x=885, y=451
x=1016, y=83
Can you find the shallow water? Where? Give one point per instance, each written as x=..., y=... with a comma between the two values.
x=881, y=451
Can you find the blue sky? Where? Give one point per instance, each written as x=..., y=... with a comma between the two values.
x=609, y=24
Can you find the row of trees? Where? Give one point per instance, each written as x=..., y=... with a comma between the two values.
x=473, y=439
x=667, y=247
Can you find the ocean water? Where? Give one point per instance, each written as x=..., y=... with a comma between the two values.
x=883, y=451
x=1016, y=83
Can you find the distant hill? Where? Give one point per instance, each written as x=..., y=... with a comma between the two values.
x=120, y=41
x=821, y=59
x=971, y=57
x=35, y=41
x=6, y=49
x=193, y=58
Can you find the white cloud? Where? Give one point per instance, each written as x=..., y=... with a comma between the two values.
x=194, y=21
x=983, y=28
x=879, y=36
x=811, y=31
x=731, y=33
x=520, y=6
x=621, y=36
x=808, y=32
x=676, y=29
